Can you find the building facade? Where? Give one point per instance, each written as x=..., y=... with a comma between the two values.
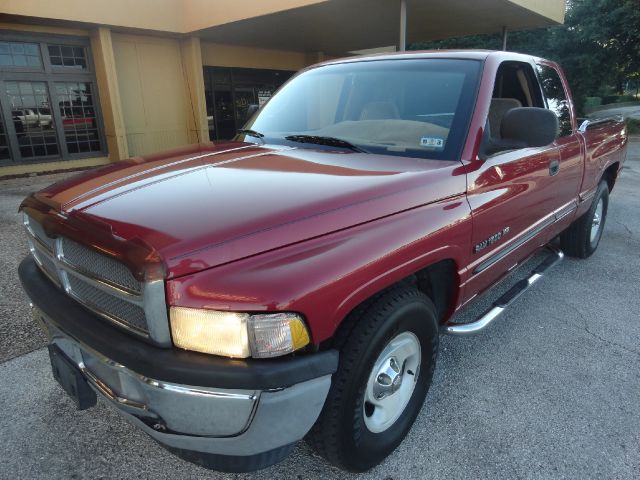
x=86, y=82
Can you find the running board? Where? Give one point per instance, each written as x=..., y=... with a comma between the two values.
x=507, y=299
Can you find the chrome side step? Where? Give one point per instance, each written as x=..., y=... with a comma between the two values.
x=507, y=299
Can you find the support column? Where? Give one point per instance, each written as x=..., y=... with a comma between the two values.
x=403, y=26
x=192, y=66
x=314, y=57
x=504, y=38
x=105, y=63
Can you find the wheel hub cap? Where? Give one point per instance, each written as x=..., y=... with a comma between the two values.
x=596, y=222
x=391, y=382
x=388, y=380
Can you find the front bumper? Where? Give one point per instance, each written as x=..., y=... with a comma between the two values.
x=228, y=422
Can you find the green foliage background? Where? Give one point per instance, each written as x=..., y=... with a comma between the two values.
x=598, y=46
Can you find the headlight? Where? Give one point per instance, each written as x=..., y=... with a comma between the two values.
x=238, y=335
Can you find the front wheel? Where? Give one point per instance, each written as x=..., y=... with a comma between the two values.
x=386, y=364
x=582, y=237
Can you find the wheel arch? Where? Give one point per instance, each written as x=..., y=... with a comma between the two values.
x=441, y=283
x=439, y=280
x=610, y=175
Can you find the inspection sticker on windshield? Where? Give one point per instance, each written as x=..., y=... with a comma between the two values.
x=432, y=142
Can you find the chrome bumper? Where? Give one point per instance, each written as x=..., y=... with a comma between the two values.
x=223, y=422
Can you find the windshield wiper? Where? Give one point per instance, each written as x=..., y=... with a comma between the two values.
x=252, y=133
x=328, y=141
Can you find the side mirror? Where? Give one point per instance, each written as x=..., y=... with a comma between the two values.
x=529, y=126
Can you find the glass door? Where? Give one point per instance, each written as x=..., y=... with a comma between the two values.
x=230, y=91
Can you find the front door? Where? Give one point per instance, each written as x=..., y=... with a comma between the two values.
x=516, y=196
x=511, y=197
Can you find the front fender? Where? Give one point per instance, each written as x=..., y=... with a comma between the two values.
x=327, y=277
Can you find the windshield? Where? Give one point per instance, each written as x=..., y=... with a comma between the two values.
x=415, y=108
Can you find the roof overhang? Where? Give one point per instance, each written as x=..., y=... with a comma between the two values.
x=336, y=27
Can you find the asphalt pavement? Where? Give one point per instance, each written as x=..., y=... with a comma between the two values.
x=552, y=390
x=627, y=111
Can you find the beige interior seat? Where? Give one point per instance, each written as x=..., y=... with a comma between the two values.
x=497, y=110
x=379, y=111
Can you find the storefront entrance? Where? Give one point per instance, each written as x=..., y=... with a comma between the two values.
x=230, y=91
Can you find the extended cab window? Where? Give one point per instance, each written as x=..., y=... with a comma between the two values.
x=556, y=97
x=410, y=108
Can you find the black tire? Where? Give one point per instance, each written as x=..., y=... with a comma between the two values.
x=340, y=434
x=576, y=240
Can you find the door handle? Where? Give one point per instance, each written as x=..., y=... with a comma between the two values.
x=554, y=167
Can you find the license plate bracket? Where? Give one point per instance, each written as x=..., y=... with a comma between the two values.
x=70, y=378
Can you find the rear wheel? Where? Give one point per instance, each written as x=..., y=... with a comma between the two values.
x=582, y=237
x=386, y=364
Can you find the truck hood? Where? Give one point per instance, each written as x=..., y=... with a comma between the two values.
x=207, y=205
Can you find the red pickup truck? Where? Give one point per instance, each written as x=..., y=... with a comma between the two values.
x=230, y=299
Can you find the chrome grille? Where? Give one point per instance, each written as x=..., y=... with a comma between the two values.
x=99, y=265
x=106, y=304
x=47, y=265
x=39, y=233
x=102, y=284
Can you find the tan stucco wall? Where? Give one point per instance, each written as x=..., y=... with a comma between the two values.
x=552, y=9
x=218, y=55
x=162, y=15
x=177, y=16
x=153, y=92
x=201, y=14
x=20, y=27
x=26, y=168
x=192, y=66
x=107, y=79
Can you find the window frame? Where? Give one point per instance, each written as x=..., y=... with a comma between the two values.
x=50, y=75
x=459, y=130
x=533, y=80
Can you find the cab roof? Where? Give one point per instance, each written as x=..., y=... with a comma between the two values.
x=416, y=54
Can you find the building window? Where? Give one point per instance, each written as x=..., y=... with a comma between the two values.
x=230, y=91
x=49, y=108
x=67, y=56
x=19, y=54
x=30, y=105
x=75, y=100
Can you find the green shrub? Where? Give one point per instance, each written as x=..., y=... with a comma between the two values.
x=633, y=125
x=592, y=102
x=627, y=98
x=609, y=99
